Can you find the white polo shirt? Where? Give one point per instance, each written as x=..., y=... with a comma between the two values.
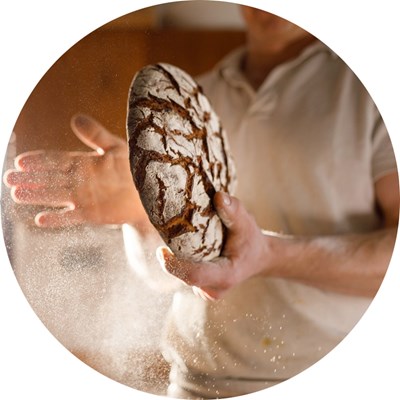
x=308, y=146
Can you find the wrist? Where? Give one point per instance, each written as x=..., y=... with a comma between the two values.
x=279, y=251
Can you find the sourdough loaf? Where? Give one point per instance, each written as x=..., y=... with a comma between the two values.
x=179, y=159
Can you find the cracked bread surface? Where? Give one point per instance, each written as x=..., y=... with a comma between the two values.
x=179, y=158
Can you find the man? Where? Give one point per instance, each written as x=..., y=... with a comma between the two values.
x=315, y=168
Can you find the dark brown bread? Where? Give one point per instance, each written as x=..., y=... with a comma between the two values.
x=179, y=158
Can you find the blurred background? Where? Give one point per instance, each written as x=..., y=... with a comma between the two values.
x=78, y=280
x=94, y=75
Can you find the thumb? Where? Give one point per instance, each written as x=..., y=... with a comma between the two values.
x=228, y=209
x=93, y=134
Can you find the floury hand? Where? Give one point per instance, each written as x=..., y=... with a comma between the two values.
x=86, y=187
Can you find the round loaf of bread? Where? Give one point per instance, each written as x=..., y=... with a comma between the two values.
x=179, y=159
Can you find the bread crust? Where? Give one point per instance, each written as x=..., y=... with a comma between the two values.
x=179, y=158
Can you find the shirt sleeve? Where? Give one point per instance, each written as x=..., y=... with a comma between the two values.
x=383, y=155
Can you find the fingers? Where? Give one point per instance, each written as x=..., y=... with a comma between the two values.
x=88, y=130
x=240, y=224
x=93, y=134
x=48, y=188
x=44, y=196
x=171, y=264
x=33, y=189
x=38, y=160
x=59, y=219
x=35, y=179
x=44, y=160
x=212, y=278
x=227, y=208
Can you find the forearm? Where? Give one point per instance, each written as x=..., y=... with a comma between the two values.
x=350, y=263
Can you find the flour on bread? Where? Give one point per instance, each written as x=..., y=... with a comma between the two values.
x=179, y=159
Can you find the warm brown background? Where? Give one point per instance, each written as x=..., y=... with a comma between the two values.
x=94, y=76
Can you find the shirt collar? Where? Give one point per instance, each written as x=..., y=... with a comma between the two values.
x=230, y=66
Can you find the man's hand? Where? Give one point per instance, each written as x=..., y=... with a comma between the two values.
x=242, y=256
x=349, y=263
x=81, y=187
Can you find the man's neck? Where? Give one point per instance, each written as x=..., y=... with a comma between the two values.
x=259, y=61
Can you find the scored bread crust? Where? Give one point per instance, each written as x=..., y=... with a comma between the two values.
x=179, y=158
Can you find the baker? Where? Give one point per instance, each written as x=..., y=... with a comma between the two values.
x=311, y=228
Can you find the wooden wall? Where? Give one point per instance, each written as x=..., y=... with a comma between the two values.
x=93, y=77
